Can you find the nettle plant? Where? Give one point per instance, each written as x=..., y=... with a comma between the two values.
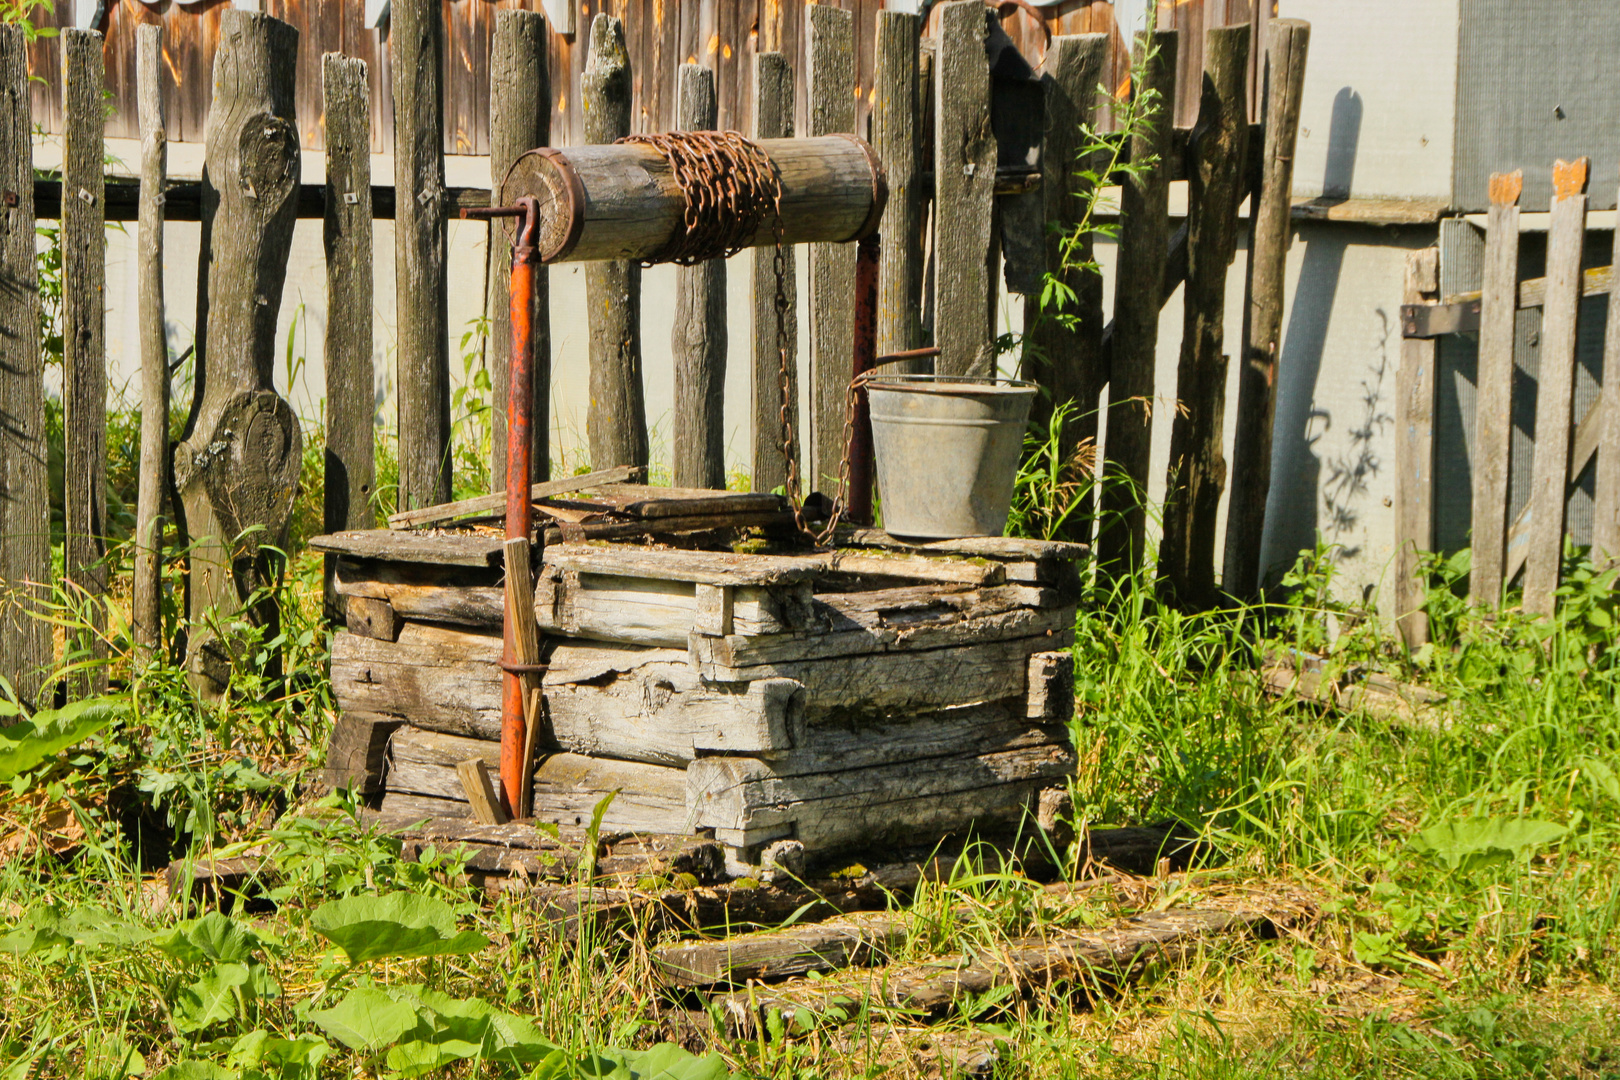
x=217, y=988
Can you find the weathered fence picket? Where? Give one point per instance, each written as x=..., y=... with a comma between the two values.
x=25, y=523
x=1414, y=433
x=776, y=332
x=146, y=594
x=895, y=141
x=1606, y=485
x=698, y=341
x=84, y=346
x=617, y=423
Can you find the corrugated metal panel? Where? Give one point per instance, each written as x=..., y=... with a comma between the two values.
x=1536, y=80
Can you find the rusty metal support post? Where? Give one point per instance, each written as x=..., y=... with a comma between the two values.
x=519, y=476
x=860, y=436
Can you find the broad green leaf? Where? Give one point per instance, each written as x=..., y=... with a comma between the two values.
x=366, y=1019
x=214, y=937
x=1602, y=776
x=666, y=1061
x=39, y=929
x=212, y=999
x=397, y=924
x=197, y=1070
x=417, y=1057
x=1474, y=843
x=27, y=743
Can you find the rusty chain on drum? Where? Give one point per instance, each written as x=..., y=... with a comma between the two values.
x=730, y=184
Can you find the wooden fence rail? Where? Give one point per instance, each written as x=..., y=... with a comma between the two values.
x=930, y=119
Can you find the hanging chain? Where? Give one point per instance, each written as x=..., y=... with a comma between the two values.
x=730, y=184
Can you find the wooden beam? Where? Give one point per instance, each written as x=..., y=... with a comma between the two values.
x=350, y=458
x=25, y=505
x=830, y=50
x=146, y=623
x=617, y=421
x=1493, y=412
x=1288, y=41
x=964, y=196
x=1555, y=386
x=519, y=76
x=421, y=236
x=1414, y=455
x=480, y=792
x=775, y=386
x=895, y=140
x=84, y=347
x=1197, y=463
x=1606, y=493
x=483, y=504
x=698, y=341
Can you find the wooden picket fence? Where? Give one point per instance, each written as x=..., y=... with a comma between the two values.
x=953, y=208
x=1526, y=546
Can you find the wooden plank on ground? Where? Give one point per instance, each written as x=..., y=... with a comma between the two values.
x=616, y=424
x=1493, y=411
x=25, y=505
x=416, y=45
x=1143, y=249
x=1555, y=386
x=146, y=597
x=1414, y=455
x=698, y=341
x=775, y=384
x=1217, y=185
x=1287, y=42
x=84, y=348
x=350, y=459
x=964, y=194
x=519, y=78
x=830, y=52
x=483, y=504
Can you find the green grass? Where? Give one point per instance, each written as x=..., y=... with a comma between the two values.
x=1455, y=880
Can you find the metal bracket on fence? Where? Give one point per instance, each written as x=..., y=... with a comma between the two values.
x=1437, y=320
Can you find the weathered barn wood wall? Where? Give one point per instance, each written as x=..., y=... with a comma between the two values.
x=661, y=35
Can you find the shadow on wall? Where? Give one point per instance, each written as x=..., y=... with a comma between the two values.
x=1293, y=508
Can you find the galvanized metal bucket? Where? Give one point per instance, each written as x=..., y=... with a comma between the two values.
x=947, y=452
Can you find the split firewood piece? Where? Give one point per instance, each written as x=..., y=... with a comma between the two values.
x=431, y=515
x=526, y=645
x=486, y=806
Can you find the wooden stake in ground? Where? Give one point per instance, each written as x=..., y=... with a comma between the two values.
x=964, y=195
x=895, y=141
x=1068, y=361
x=1606, y=494
x=1493, y=410
x=1555, y=386
x=25, y=553
x=519, y=76
x=146, y=598
x=1197, y=465
x=1287, y=44
x=237, y=467
x=831, y=53
x=698, y=341
x=1414, y=454
x=416, y=38
x=350, y=400
x=84, y=342
x=617, y=421
x=773, y=119
x=1143, y=248
x=525, y=635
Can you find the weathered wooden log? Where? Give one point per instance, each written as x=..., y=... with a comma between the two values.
x=421, y=238
x=1067, y=359
x=853, y=941
x=698, y=341
x=616, y=423
x=356, y=753
x=1414, y=459
x=350, y=459
x=830, y=52
x=1287, y=42
x=84, y=349
x=620, y=200
x=965, y=245
x=774, y=406
x=519, y=78
x=895, y=140
x=371, y=617
x=25, y=505
x=237, y=466
x=1143, y=249
x=1555, y=386
x=146, y=626
x=1217, y=185
x=1112, y=955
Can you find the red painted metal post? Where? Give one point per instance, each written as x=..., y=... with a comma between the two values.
x=519, y=475
x=860, y=438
